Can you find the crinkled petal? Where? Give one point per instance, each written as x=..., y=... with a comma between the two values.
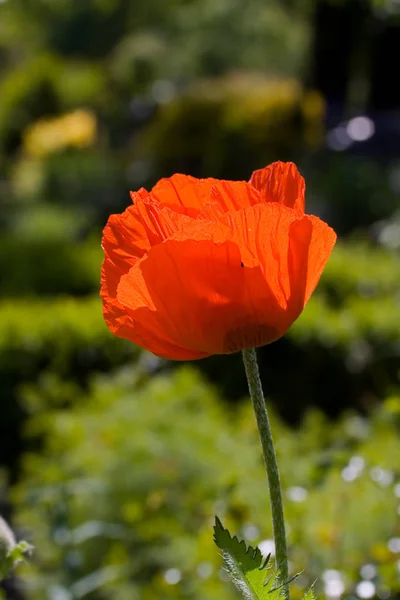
x=128, y=236
x=183, y=193
x=115, y=316
x=126, y=239
x=237, y=283
x=229, y=196
x=311, y=242
x=281, y=182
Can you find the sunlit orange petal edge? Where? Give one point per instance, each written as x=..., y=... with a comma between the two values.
x=197, y=267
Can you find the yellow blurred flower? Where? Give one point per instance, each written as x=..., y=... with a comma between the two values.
x=76, y=129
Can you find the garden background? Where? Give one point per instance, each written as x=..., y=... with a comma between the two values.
x=113, y=462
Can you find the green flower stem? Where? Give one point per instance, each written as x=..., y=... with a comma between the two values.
x=264, y=430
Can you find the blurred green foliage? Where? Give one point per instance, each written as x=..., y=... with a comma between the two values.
x=116, y=462
x=130, y=511
x=75, y=272
x=41, y=341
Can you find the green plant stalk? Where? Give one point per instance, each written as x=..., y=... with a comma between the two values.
x=275, y=493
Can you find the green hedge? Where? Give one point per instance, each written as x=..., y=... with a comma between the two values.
x=362, y=270
x=354, y=300
x=55, y=330
x=48, y=266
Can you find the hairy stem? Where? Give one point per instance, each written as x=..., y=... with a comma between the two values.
x=264, y=430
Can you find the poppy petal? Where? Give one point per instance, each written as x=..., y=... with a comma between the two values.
x=115, y=316
x=244, y=292
x=311, y=242
x=126, y=238
x=229, y=196
x=183, y=193
x=122, y=325
x=281, y=182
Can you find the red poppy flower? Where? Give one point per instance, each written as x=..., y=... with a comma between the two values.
x=202, y=266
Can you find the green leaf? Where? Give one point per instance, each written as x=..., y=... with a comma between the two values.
x=246, y=567
x=309, y=595
x=11, y=558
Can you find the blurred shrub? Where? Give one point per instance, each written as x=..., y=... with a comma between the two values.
x=90, y=180
x=65, y=267
x=43, y=227
x=227, y=127
x=66, y=335
x=216, y=36
x=238, y=34
x=71, y=28
x=81, y=83
x=64, y=339
x=361, y=270
x=135, y=63
x=147, y=463
x=352, y=192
